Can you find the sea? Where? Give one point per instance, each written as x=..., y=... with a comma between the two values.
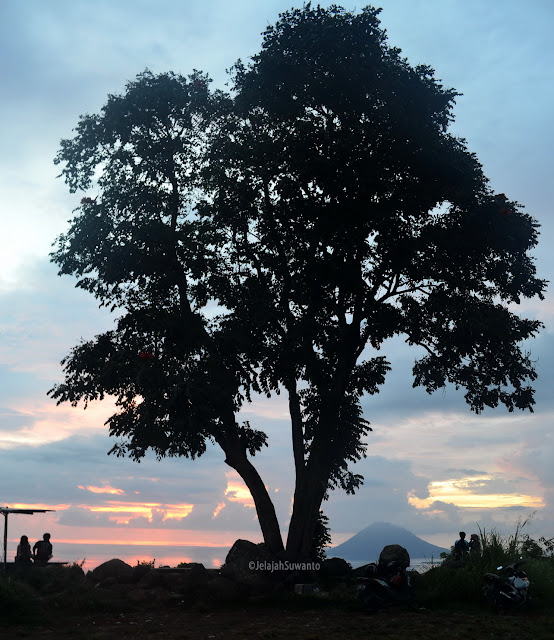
x=90, y=556
x=420, y=565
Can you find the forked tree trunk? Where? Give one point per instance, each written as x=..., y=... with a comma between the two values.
x=308, y=497
x=238, y=460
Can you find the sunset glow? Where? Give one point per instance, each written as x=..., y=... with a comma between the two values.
x=55, y=507
x=464, y=493
x=220, y=506
x=123, y=511
x=44, y=422
x=117, y=492
x=237, y=491
x=156, y=537
x=431, y=464
x=169, y=561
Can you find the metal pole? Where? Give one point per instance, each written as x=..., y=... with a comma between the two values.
x=5, y=540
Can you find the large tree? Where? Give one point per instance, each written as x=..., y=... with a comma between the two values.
x=272, y=240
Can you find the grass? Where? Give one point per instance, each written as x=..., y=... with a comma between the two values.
x=27, y=596
x=453, y=583
x=15, y=600
x=451, y=592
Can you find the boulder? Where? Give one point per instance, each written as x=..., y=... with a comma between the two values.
x=194, y=569
x=112, y=569
x=365, y=570
x=140, y=570
x=335, y=567
x=221, y=590
x=252, y=564
x=395, y=553
x=182, y=580
x=149, y=580
x=139, y=595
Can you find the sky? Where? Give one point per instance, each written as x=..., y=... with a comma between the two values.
x=432, y=466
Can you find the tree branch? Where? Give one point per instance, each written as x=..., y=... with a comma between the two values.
x=298, y=445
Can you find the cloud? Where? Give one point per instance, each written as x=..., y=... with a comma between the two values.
x=104, y=489
x=48, y=452
x=388, y=484
x=83, y=517
x=460, y=473
x=43, y=319
x=233, y=517
x=12, y=421
x=415, y=442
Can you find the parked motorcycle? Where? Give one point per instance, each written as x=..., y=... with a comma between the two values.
x=507, y=589
x=385, y=585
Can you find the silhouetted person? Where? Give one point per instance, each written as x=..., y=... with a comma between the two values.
x=23, y=554
x=474, y=543
x=42, y=550
x=461, y=546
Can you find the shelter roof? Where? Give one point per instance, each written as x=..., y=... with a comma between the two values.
x=6, y=510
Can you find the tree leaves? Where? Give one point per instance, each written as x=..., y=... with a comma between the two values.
x=261, y=241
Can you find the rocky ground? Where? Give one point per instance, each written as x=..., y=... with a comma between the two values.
x=190, y=602
x=274, y=623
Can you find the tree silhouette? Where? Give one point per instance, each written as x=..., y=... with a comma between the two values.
x=271, y=240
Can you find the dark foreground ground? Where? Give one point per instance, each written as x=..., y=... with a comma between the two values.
x=269, y=622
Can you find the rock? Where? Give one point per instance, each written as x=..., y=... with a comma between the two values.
x=173, y=580
x=194, y=568
x=361, y=572
x=306, y=589
x=150, y=580
x=140, y=570
x=112, y=569
x=74, y=572
x=395, y=553
x=222, y=590
x=139, y=595
x=253, y=565
x=115, y=587
x=182, y=580
x=335, y=567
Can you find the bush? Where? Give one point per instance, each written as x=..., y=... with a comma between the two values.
x=16, y=601
x=454, y=582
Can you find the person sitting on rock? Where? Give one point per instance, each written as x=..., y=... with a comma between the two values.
x=474, y=544
x=42, y=550
x=23, y=554
x=461, y=546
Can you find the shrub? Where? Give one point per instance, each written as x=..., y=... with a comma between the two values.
x=16, y=601
x=454, y=582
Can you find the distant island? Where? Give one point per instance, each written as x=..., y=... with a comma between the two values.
x=366, y=545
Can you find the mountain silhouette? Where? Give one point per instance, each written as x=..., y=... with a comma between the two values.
x=366, y=545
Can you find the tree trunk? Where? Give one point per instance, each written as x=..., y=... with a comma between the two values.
x=308, y=496
x=237, y=459
x=313, y=482
x=297, y=427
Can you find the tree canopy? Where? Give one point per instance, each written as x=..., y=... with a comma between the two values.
x=260, y=241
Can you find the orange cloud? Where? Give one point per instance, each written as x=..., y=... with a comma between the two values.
x=39, y=505
x=460, y=493
x=237, y=491
x=105, y=489
x=47, y=422
x=124, y=511
x=219, y=507
x=158, y=536
x=152, y=537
